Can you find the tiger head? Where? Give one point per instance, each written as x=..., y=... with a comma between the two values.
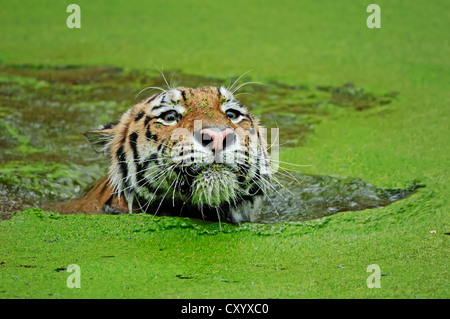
x=193, y=146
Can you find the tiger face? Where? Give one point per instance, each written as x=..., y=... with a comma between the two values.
x=197, y=148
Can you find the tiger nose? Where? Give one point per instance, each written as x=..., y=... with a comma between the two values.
x=221, y=138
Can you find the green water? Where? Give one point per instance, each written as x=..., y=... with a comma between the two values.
x=303, y=44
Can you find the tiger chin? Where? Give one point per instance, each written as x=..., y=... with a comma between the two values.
x=192, y=152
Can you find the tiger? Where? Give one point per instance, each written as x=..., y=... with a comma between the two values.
x=193, y=152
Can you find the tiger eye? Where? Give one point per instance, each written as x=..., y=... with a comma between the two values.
x=232, y=115
x=170, y=116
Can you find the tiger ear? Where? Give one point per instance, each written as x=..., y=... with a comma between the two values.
x=100, y=138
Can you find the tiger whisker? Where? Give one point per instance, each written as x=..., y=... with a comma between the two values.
x=164, y=77
x=230, y=88
x=155, y=176
x=149, y=88
x=244, y=84
x=161, y=201
x=167, y=173
x=171, y=77
x=266, y=183
x=173, y=193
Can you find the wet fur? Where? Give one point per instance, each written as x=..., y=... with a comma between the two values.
x=139, y=142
